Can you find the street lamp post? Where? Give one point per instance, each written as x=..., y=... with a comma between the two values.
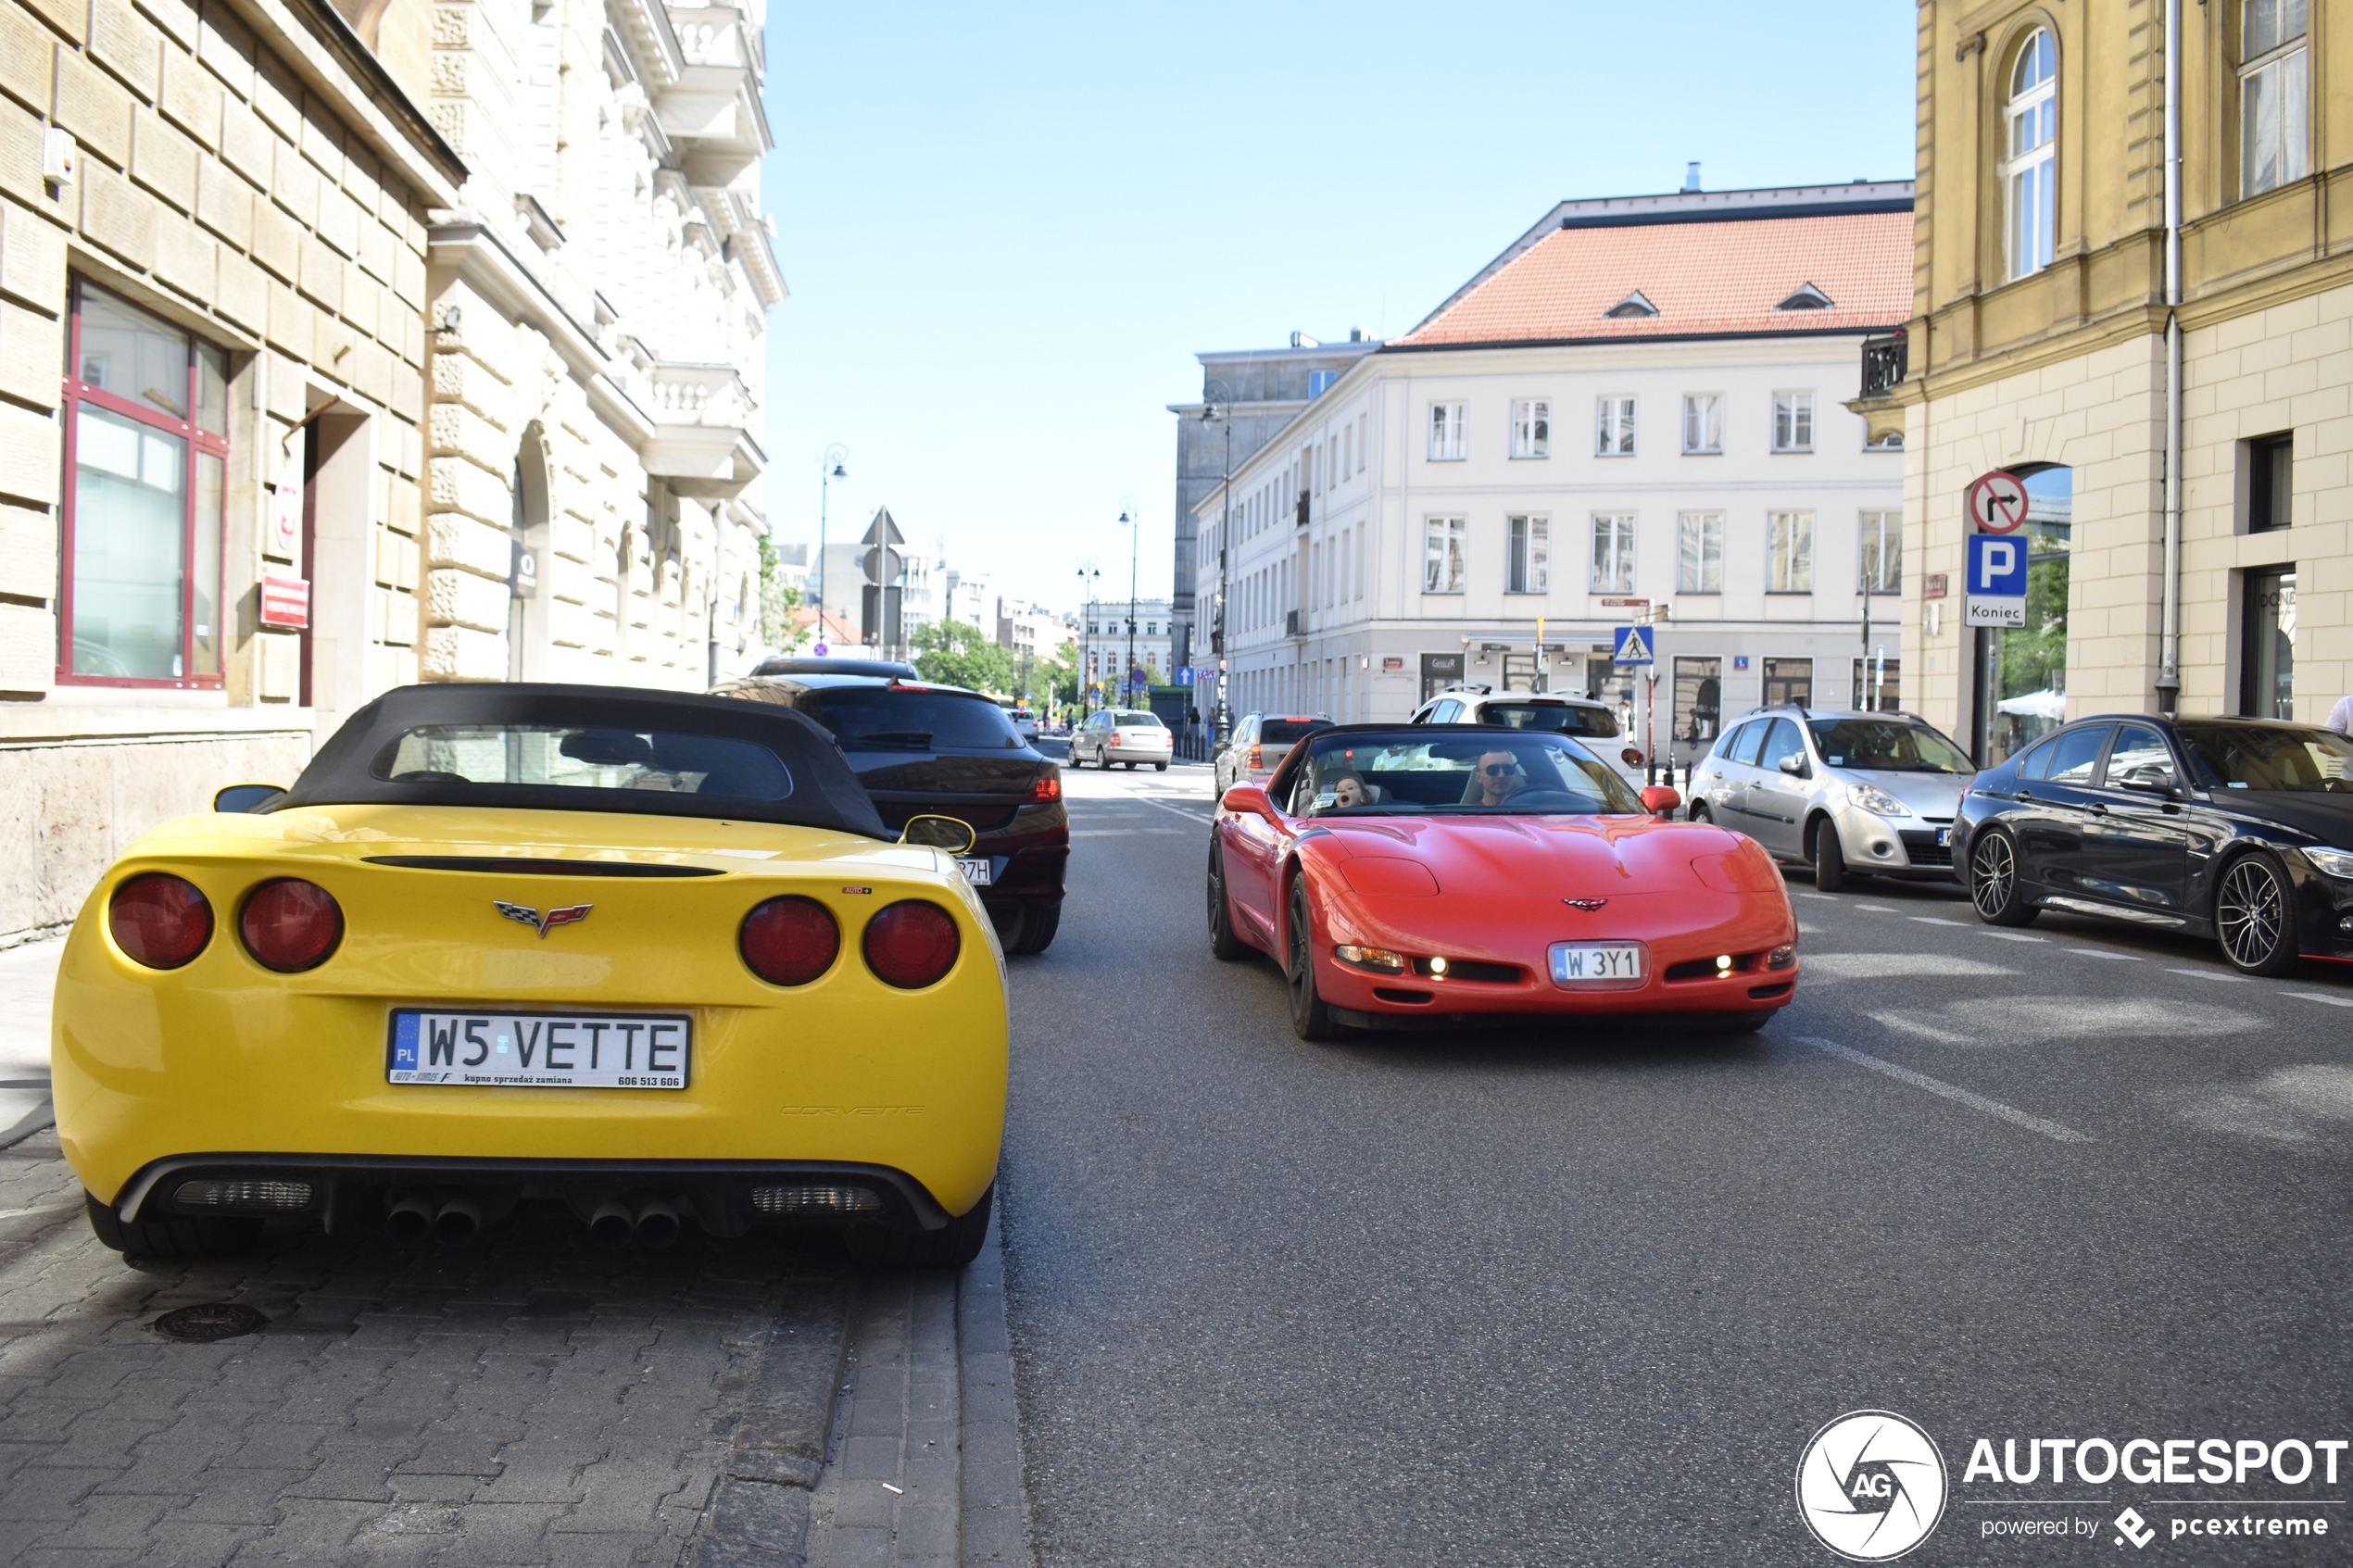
x=1091, y=577
x=828, y=469
x=1215, y=396
x=1134, y=526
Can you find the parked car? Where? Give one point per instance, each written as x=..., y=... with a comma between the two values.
x=802, y=664
x=1122, y=735
x=919, y=748
x=561, y=941
x=2237, y=829
x=1854, y=794
x=1592, y=724
x=1258, y=746
x=1024, y=723
x=1436, y=874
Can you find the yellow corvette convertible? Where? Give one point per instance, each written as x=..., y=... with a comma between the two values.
x=652, y=956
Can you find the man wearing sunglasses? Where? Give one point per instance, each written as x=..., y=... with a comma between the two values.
x=1498, y=779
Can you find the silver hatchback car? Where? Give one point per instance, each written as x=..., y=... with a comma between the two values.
x=1854, y=794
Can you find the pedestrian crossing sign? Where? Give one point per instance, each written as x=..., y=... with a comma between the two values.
x=1633, y=645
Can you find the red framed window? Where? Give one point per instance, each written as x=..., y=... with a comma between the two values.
x=146, y=468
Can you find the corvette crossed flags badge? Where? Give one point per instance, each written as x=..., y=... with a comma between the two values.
x=571, y=915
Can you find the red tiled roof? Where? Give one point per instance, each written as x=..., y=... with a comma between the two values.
x=1706, y=280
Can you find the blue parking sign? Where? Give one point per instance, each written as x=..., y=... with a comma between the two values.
x=1997, y=566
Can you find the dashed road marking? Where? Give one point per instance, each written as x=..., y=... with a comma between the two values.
x=2012, y=936
x=1937, y=919
x=2318, y=997
x=1795, y=894
x=2104, y=953
x=2213, y=974
x=1878, y=909
x=1953, y=1092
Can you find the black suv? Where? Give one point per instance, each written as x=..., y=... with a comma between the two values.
x=920, y=747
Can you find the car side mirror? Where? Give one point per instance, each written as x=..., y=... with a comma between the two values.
x=238, y=799
x=939, y=833
x=1247, y=799
x=1660, y=801
x=1795, y=765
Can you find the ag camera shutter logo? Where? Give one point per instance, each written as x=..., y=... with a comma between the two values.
x=1872, y=1485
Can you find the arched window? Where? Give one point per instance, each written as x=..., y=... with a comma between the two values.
x=2029, y=148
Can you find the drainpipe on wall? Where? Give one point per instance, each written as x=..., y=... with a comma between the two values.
x=2169, y=655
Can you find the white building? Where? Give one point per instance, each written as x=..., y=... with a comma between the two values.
x=1116, y=636
x=1639, y=401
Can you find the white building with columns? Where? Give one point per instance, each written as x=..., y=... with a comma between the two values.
x=1639, y=402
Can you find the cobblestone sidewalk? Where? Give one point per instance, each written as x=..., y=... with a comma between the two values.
x=531, y=1400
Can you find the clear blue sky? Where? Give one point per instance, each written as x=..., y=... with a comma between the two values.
x=1008, y=230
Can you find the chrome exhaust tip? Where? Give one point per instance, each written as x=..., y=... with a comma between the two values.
x=611, y=1226
x=657, y=1224
x=411, y=1222
x=456, y=1221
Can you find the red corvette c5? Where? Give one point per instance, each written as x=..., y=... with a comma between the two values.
x=1447, y=872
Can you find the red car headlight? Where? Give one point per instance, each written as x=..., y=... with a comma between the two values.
x=789, y=941
x=290, y=924
x=159, y=920
x=912, y=943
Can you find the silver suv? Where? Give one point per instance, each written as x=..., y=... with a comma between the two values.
x=1854, y=793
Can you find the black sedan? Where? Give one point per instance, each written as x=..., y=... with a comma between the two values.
x=2239, y=829
x=925, y=748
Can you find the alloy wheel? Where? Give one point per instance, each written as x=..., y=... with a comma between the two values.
x=2251, y=914
x=1993, y=873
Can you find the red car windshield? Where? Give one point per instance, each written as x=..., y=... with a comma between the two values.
x=1414, y=773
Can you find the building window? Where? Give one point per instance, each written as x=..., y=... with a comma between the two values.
x=1789, y=680
x=1613, y=427
x=1527, y=565
x=1703, y=422
x=2270, y=468
x=1319, y=381
x=2029, y=164
x=2274, y=111
x=1363, y=429
x=1445, y=433
x=146, y=413
x=1699, y=700
x=1878, y=683
x=1792, y=422
x=1442, y=555
x=2267, y=663
x=1531, y=428
x=1612, y=553
x=1881, y=559
x=1699, y=553
x=1788, y=552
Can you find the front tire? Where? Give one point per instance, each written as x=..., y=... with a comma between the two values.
x=1310, y=1019
x=2255, y=916
x=169, y=1238
x=1994, y=885
x=950, y=1247
x=1830, y=858
x=1700, y=813
x=1223, y=941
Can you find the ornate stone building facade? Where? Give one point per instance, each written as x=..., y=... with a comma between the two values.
x=596, y=306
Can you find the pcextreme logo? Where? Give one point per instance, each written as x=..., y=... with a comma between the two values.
x=1872, y=1485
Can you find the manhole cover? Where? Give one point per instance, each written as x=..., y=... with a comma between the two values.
x=214, y=1320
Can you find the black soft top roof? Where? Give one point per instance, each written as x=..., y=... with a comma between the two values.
x=825, y=794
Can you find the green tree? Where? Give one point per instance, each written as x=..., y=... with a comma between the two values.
x=779, y=599
x=1056, y=680
x=956, y=653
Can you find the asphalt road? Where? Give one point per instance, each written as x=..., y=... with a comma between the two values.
x=1584, y=1297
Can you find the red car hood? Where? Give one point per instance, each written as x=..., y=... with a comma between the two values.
x=1558, y=856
